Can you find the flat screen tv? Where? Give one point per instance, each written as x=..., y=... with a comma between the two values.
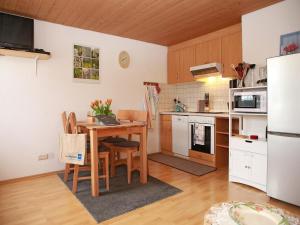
x=16, y=32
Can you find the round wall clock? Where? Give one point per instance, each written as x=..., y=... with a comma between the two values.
x=124, y=59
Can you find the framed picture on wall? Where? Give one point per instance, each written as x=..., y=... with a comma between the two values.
x=86, y=62
x=290, y=43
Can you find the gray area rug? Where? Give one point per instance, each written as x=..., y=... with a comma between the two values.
x=122, y=197
x=181, y=164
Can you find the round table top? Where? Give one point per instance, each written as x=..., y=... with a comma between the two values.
x=248, y=213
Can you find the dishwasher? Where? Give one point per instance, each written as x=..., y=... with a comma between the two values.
x=180, y=135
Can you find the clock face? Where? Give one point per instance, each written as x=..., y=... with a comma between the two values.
x=124, y=59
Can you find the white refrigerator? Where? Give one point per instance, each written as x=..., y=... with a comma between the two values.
x=283, y=181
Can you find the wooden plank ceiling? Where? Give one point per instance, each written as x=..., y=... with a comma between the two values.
x=164, y=22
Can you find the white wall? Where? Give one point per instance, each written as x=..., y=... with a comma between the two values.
x=261, y=39
x=31, y=105
x=262, y=29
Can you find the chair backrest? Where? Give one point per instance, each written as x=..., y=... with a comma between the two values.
x=132, y=115
x=65, y=122
x=73, y=123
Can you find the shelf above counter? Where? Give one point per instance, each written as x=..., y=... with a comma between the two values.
x=249, y=88
x=222, y=146
x=227, y=133
x=24, y=54
x=247, y=114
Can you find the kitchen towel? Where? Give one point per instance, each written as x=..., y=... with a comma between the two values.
x=199, y=134
x=151, y=103
x=153, y=97
x=148, y=108
x=72, y=148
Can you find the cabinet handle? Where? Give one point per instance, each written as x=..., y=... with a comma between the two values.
x=246, y=167
x=248, y=141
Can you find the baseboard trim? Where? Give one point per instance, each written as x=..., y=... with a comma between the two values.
x=19, y=179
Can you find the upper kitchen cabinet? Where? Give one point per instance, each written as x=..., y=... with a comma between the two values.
x=187, y=59
x=179, y=63
x=173, y=67
x=231, y=52
x=208, y=52
x=223, y=46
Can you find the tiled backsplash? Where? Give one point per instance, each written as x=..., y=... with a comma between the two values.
x=190, y=93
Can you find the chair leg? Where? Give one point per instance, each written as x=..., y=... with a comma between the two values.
x=103, y=165
x=75, y=178
x=112, y=163
x=67, y=171
x=129, y=166
x=107, y=172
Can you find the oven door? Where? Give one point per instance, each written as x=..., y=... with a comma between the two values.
x=209, y=138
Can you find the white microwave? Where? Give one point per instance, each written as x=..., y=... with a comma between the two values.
x=250, y=101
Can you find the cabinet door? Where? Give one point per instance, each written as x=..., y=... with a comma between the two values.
x=208, y=52
x=173, y=66
x=259, y=168
x=214, y=51
x=166, y=133
x=231, y=53
x=239, y=164
x=201, y=53
x=187, y=59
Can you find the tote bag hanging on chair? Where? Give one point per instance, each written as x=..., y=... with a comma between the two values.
x=72, y=148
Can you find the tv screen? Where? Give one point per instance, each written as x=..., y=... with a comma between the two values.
x=16, y=32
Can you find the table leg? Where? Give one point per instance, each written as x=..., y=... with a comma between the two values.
x=143, y=157
x=94, y=163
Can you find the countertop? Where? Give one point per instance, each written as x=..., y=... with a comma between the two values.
x=211, y=114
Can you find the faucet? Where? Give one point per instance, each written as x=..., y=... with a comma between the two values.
x=179, y=107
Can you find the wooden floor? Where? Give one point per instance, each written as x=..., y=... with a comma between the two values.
x=47, y=200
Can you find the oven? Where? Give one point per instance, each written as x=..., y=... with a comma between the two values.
x=202, y=134
x=250, y=101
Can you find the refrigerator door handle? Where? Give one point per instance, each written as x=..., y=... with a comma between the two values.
x=284, y=134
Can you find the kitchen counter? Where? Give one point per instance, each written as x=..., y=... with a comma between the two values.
x=195, y=114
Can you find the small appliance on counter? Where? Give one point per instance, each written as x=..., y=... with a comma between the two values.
x=233, y=83
x=206, y=98
x=201, y=106
x=253, y=101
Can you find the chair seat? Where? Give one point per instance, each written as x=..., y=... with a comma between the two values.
x=114, y=140
x=128, y=144
x=101, y=148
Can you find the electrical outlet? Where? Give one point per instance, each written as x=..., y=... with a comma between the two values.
x=43, y=157
x=51, y=155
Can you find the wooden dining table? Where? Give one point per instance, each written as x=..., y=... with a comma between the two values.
x=97, y=130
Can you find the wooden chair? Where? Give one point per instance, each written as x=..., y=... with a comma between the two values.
x=109, y=142
x=127, y=147
x=103, y=156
